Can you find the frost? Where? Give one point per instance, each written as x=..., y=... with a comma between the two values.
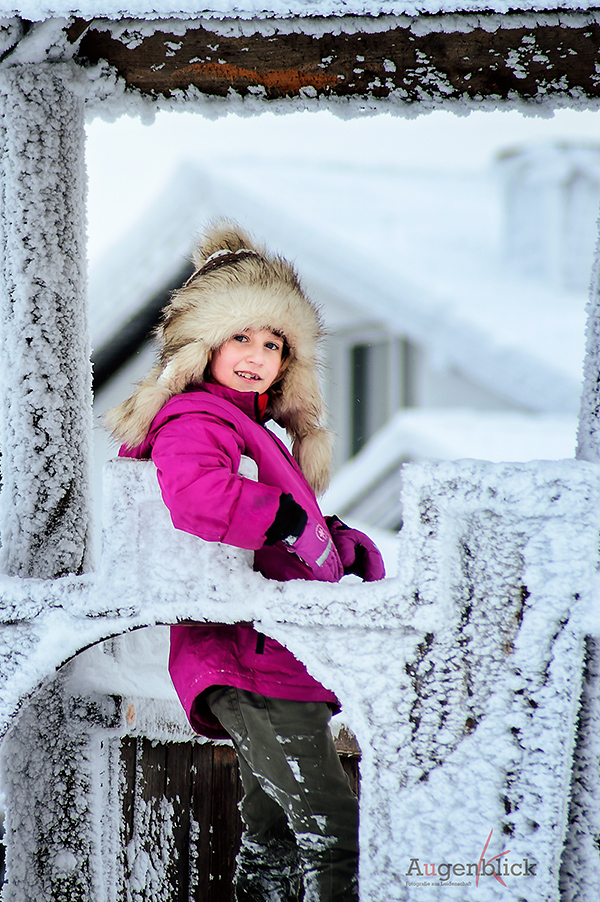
x=44, y=352
x=40, y=9
x=476, y=645
x=589, y=417
x=148, y=863
x=460, y=677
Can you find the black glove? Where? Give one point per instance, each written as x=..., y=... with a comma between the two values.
x=289, y=521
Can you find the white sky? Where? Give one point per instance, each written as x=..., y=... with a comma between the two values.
x=129, y=163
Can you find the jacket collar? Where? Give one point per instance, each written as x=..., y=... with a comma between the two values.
x=251, y=403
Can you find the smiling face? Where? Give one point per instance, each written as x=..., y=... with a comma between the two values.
x=248, y=361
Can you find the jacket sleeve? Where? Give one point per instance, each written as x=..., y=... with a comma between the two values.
x=197, y=456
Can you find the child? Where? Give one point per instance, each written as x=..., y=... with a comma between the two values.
x=238, y=346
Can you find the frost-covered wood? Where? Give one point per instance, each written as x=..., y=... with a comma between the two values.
x=581, y=871
x=588, y=439
x=580, y=878
x=357, y=61
x=408, y=59
x=460, y=678
x=44, y=351
x=52, y=776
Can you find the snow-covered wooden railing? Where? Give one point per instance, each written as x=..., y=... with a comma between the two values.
x=461, y=677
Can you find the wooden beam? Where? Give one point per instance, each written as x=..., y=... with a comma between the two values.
x=411, y=60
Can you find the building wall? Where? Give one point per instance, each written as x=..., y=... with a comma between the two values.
x=370, y=374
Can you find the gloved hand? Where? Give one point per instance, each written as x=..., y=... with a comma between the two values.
x=358, y=553
x=315, y=547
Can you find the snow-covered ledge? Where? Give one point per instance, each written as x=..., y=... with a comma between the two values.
x=461, y=677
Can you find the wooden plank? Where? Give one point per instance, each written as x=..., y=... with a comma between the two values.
x=152, y=830
x=128, y=760
x=441, y=58
x=346, y=743
x=153, y=757
x=200, y=802
x=226, y=823
x=178, y=760
x=351, y=765
x=128, y=753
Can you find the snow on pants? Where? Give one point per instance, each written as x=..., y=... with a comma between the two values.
x=300, y=815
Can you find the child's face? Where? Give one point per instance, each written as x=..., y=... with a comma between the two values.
x=249, y=361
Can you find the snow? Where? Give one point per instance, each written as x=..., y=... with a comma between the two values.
x=588, y=447
x=107, y=95
x=581, y=874
x=147, y=863
x=150, y=257
x=481, y=634
x=44, y=370
x=445, y=232
x=476, y=645
x=36, y=10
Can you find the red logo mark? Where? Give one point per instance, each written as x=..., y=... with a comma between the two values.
x=482, y=863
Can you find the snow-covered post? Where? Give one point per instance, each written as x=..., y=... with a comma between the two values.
x=588, y=437
x=581, y=862
x=45, y=438
x=45, y=376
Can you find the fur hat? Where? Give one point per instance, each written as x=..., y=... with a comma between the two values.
x=237, y=285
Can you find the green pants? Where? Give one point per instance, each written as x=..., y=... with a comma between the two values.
x=300, y=815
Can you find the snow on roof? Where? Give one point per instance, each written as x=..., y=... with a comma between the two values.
x=434, y=434
x=35, y=10
x=150, y=257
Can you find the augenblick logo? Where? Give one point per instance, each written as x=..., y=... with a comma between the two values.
x=497, y=867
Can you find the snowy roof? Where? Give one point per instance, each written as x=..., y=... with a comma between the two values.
x=150, y=257
x=35, y=10
x=415, y=252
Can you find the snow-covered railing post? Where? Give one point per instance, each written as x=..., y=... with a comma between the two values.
x=45, y=407
x=581, y=863
x=45, y=439
x=588, y=438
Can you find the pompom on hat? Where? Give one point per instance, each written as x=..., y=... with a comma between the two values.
x=237, y=285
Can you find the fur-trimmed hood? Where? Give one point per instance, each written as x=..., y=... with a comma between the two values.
x=237, y=285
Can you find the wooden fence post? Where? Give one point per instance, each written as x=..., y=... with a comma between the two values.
x=580, y=872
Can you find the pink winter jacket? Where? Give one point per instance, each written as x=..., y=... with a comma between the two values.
x=196, y=442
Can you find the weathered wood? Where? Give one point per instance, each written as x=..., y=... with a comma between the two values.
x=201, y=792
x=351, y=765
x=153, y=770
x=128, y=763
x=201, y=781
x=178, y=761
x=226, y=823
x=471, y=57
x=346, y=743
